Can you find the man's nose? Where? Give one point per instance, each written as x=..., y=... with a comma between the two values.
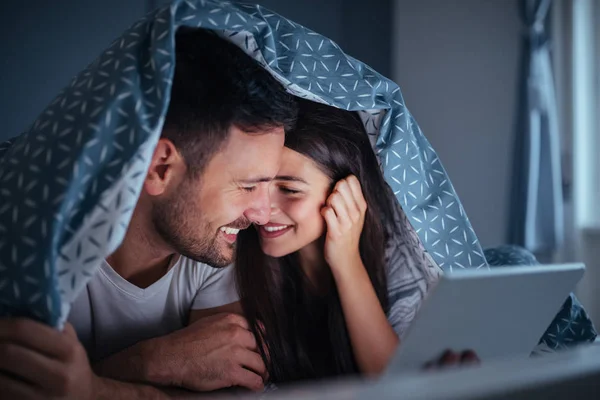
x=260, y=211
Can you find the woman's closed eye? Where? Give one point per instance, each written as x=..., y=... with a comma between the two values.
x=287, y=190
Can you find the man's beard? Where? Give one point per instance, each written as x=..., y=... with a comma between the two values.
x=181, y=226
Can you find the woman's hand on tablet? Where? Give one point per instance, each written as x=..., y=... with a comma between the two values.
x=454, y=359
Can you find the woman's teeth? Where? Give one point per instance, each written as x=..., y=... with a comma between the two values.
x=275, y=228
x=230, y=231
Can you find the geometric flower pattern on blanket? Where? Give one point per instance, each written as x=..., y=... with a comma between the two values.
x=69, y=184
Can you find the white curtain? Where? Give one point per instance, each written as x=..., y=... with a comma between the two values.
x=537, y=201
x=576, y=33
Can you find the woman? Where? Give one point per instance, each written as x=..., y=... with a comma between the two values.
x=314, y=281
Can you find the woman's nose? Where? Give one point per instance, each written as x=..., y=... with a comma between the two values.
x=274, y=209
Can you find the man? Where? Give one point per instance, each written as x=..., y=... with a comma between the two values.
x=156, y=314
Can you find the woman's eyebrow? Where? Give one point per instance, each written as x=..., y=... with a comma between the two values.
x=290, y=178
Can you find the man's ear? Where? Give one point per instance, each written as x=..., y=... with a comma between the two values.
x=167, y=166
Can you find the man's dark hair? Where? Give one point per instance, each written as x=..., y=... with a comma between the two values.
x=215, y=86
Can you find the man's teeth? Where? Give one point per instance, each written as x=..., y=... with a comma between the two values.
x=274, y=228
x=230, y=231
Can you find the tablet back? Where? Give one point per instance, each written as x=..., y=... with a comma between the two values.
x=498, y=313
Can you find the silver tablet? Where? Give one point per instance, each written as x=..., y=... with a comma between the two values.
x=499, y=313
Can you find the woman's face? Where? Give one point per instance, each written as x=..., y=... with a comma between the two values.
x=297, y=195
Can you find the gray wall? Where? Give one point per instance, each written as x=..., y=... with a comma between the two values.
x=45, y=43
x=457, y=63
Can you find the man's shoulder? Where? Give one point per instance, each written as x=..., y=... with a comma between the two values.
x=203, y=271
x=191, y=263
x=213, y=286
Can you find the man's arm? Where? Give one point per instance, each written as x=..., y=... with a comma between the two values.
x=134, y=364
x=213, y=352
x=231, y=308
x=188, y=357
x=38, y=362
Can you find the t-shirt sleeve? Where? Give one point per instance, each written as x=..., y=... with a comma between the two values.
x=217, y=288
x=408, y=285
x=411, y=273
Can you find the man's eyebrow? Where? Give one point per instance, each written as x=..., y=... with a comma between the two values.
x=290, y=178
x=258, y=179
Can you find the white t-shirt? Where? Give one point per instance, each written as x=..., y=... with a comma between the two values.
x=111, y=314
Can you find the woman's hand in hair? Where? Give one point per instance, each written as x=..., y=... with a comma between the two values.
x=372, y=337
x=344, y=213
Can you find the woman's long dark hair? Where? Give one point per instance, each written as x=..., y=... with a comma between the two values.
x=302, y=334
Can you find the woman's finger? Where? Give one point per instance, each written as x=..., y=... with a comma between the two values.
x=469, y=357
x=353, y=208
x=357, y=193
x=331, y=220
x=449, y=358
x=338, y=203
